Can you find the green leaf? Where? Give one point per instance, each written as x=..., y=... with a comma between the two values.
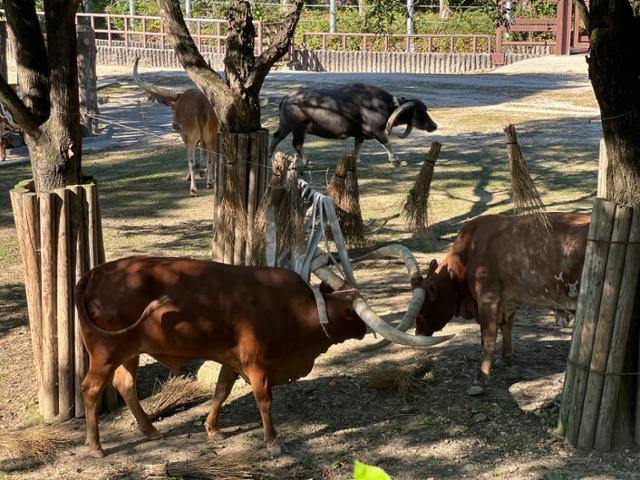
x=362, y=471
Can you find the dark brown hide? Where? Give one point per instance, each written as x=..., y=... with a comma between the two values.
x=260, y=323
x=499, y=263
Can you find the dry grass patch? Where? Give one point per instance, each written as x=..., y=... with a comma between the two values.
x=404, y=380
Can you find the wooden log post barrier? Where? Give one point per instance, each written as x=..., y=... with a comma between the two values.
x=590, y=408
x=60, y=238
x=241, y=171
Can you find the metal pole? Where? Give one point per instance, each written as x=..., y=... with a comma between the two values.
x=410, y=11
x=187, y=8
x=332, y=16
x=132, y=11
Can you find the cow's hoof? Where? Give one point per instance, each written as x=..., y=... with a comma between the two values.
x=154, y=435
x=475, y=389
x=216, y=436
x=194, y=193
x=209, y=185
x=502, y=362
x=96, y=453
x=274, y=449
x=395, y=164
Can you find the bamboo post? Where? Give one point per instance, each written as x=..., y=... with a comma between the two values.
x=585, y=323
x=65, y=307
x=241, y=165
x=603, y=170
x=48, y=238
x=80, y=236
x=604, y=327
x=252, y=192
x=618, y=349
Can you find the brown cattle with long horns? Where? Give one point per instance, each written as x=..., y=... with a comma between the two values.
x=194, y=118
x=259, y=323
x=497, y=264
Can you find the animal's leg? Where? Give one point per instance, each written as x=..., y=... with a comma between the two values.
x=124, y=380
x=356, y=150
x=507, y=342
x=209, y=141
x=489, y=317
x=392, y=156
x=226, y=378
x=278, y=136
x=298, y=142
x=262, y=393
x=92, y=387
x=191, y=150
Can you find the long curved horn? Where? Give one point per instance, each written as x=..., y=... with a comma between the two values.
x=368, y=316
x=396, y=113
x=166, y=93
x=419, y=294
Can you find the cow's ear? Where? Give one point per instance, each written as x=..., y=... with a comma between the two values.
x=432, y=291
x=433, y=265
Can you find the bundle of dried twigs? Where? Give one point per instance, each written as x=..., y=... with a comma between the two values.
x=416, y=206
x=227, y=466
x=176, y=393
x=525, y=194
x=39, y=442
x=343, y=190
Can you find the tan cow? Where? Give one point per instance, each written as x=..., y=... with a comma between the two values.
x=259, y=323
x=194, y=118
x=498, y=264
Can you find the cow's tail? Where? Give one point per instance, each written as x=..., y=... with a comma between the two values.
x=85, y=317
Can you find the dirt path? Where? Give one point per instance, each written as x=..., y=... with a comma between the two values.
x=349, y=408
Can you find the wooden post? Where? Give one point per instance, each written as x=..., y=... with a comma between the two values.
x=603, y=170
x=604, y=327
x=48, y=236
x=27, y=219
x=619, y=340
x=65, y=307
x=585, y=323
x=87, y=80
x=243, y=162
x=60, y=238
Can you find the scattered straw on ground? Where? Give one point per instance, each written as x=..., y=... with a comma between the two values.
x=226, y=466
x=405, y=380
x=40, y=442
x=176, y=393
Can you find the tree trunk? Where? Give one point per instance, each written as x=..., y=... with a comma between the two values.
x=614, y=71
x=48, y=114
x=444, y=10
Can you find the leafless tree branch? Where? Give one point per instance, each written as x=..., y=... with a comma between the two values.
x=278, y=48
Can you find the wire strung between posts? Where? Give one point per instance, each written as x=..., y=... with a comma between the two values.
x=604, y=374
x=111, y=121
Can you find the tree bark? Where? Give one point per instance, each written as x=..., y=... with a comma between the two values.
x=236, y=98
x=614, y=71
x=49, y=111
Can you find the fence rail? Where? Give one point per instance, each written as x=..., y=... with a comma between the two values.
x=417, y=43
x=148, y=31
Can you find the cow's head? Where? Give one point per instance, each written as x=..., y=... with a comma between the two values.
x=351, y=302
x=441, y=300
x=412, y=113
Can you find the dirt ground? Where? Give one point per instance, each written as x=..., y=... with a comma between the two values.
x=348, y=408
